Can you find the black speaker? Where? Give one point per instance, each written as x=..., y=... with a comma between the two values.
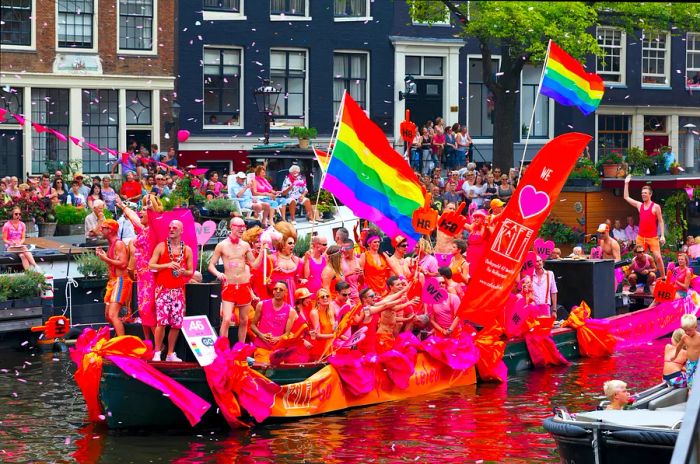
x=592, y=281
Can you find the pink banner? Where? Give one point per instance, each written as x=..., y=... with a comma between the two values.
x=649, y=324
x=159, y=223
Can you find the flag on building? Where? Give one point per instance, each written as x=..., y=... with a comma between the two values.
x=370, y=177
x=568, y=83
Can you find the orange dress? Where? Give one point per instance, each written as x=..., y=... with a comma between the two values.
x=456, y=268
x=320, y=344
x=376, y=271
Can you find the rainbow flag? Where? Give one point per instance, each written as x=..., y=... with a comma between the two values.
x=323, y=159
x=370, y=177
x=569, y=84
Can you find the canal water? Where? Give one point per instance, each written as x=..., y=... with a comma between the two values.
x=42, y=416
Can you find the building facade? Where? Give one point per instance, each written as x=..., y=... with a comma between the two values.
x=100, y=71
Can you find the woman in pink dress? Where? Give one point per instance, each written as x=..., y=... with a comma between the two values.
x=140, y=251
x=13, y=234
x=314, y=263
x=476, y=241
x=286, y=266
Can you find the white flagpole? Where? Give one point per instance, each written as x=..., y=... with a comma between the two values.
x=534, y=108
x=331, y=146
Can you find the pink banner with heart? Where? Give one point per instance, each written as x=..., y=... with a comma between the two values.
x=515, y=230
x=544, y=249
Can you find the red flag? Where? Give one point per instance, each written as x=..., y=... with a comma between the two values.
x=517, y=229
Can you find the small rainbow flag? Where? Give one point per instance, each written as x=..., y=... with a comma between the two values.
x=323, y=159
x=370, y=177
x=568, y=83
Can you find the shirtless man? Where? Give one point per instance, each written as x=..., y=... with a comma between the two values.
x=398, y=262
x=238, y=260
x=119, y=284
x=616, y=392
x=610, y=246
x=691, y=342
x=391, y=320
x=651, y=222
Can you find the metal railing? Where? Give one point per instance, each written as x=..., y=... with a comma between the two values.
x=687, y=447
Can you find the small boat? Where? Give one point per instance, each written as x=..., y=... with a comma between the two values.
x=645, y=432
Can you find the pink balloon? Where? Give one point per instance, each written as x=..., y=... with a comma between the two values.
x=183, y=135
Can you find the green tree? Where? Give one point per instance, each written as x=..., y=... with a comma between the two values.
x=519, y=33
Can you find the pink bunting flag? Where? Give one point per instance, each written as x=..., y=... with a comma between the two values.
x=114, y=153
x=93, y=147
x=178, y=172
x=3, y=114
x=19, y=118
x=198, y=171
x=58, y=135
x=76, y=141
x=39, y=128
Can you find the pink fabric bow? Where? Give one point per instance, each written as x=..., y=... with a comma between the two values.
x=231, y=380
x=458, y=354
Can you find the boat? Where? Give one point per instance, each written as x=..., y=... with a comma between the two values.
x=645, y=432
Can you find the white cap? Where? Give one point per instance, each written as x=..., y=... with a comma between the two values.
x=240, y=175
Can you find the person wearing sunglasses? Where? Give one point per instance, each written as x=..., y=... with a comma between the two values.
x=274, y=318
x=443, y=316
x=322, y=324
x=642, y=271
x=398, y=261
x=286, y=266
x=392, y=317
x=314, y=263
x=374, y=263
x=14, y=233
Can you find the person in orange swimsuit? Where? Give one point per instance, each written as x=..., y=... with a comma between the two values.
x=375, y=264
x=321, y=324
x=458, y=264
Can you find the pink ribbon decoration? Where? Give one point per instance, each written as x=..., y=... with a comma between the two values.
x=540, y=345
x=93, y=147
x=129, y=353
x=76, y=141
x=20, y=119
x=458, y=354
x=39, y=128
x=231, y=380
x=58, y=135
x=356, y=371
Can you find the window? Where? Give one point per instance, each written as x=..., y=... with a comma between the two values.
x=349, y=73
x=692, y=65
x=222, y=87
x=424, y=66
x=351, y=9
x=136, y=24
x=11, y=100
x=614, y=133
x=75, y=20
x=481, y=100
x=288, y=69
x=222, y=5
x=655, y=63
x=100, y=126
x=50, y=108
x=611, y=66
x=288, y=7
x=138, y=107
x=528, y=93
x=16, y=20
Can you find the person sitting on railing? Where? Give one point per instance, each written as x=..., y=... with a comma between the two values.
x=641, y=271
x=13, y=234
x=94, y=221
x=674, y=366
x=240, y=190
x=295, y=191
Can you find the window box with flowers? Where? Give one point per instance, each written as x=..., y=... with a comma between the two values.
x=611, y=165
x=584, y=174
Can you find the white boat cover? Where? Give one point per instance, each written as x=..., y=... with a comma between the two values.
x=661, y=418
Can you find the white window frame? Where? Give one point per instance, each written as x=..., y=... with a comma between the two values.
x=495, y=58
x=444, y=23
x=32, y=44
x=346, y=19
x=367, y=83
x=154, y=34
x=283, y=17
x=286, y=127
x=225, y=15
x=690, y=72
x=240, y=93
x=525, y=118
x=667, y=65
x=623, y=56
x=95, y=29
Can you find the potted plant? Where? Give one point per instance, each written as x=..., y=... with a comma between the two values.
x=219, y=208
x=639, y=162
x=303, y=134
x=610, y=164
x=325, y=206
x=70, y=219
x=675, y=168
x=93, y=269
x=584, y=174
x=22, y=290
x=46, y=218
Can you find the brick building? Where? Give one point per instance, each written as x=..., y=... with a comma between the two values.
x=102, y=70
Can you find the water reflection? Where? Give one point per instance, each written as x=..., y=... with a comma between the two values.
x=42, y=419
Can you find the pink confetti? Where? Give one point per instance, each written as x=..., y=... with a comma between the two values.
x=66, y=441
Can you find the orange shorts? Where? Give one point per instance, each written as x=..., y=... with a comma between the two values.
x=649, y=243
x=238, y=294
x=119, y=290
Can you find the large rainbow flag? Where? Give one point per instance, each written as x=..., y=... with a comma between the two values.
x=568, y=83
x=370, y=177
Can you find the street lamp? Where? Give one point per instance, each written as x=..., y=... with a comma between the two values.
x=266, y=97
x=409, y=87
x=689, y=147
